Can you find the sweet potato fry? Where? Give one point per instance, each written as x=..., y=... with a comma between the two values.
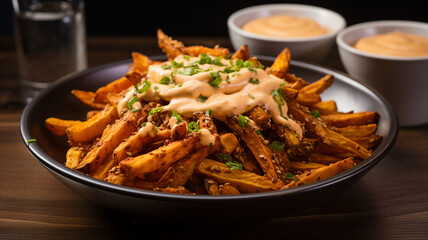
x=228, y=143
x=260, y=117
x=281, y=64
x=59, y=126
x=322, y=173
x=74, y=156
x=172, y=48
x=88, y=98
x=92, y=128
x=110, y=139
x=304, y=166
x=135, y=77
x=242, y=53
x=227, y=189
x=318, y=86
x=116, y=86
x=140, y=166
x=348, y=119
x=244, y=156
x=356, y=131
x=136, y=143
x=178, y=174
x=141, y=62
x=217, y=51
x=245, y=182
x=211, y=186
x=325, y=107
x=262, y=153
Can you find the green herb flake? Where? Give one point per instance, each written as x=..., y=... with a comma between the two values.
x=32, y=140
x=277, y=146
x=155, y=110
x=251, y=96
x=176, y=115
x=193, y=126
x=208, y=112
x=145, y=87
x=234, y=165
x=131, y=102
x=202, y=98
x=254, y=81
x=315, y=113
x=165, y=80
x=243, y=121
x=289, y=176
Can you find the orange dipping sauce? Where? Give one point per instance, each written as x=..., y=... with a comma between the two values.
x=285, y=26
x=396, y=43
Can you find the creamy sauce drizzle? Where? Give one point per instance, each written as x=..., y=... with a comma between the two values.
x=237, y=93
x=394, y=43
x=148, y=129
x=285, y=26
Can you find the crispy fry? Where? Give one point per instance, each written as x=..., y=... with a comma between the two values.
x=59, y=126
x=217, y=51
x=88, y=98
x=228, y=189
x=318, y=86
x=228, y=142
x=135, y=77
x=211, y=186
x=110, y=139
x=141, y=62
x=74, y=156
x=172, y=48
x=141, y=165
x=245, y=182
x=92, y=128
x=356, y=131
x=242, y=53
x=348, y=119
x=304, y=166
x=262, y=153
x=281, y=64
x=116, y=86
x=325, y=107
x=322, y=173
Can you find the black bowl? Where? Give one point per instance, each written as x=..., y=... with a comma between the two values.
x=50, y=151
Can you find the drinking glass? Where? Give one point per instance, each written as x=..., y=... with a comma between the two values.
x=50, y=41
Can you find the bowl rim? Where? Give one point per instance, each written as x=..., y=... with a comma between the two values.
x=58, y=168
x=233, y=27
x=374, y=24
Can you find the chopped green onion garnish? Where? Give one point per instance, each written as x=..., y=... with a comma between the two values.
x=155, y=110
x=32, y=140
x=145, y=87
x=315, y=113
x=254, y=81
x=233, y=165
x=202, y=98
x=277, y=146
x=131, y=102
x=289, y=176
x=165, y=80
x=251, y=96
x=208, y=112
x=176, y=115
x=243, y=121
x=193, y=127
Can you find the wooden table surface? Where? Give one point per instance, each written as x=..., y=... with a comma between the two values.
x=390, y=202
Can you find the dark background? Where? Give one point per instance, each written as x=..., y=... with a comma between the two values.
x=208, y=18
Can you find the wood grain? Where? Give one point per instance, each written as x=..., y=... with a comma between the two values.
x=390, y=202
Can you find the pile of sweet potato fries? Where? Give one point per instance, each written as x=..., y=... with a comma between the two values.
x=139, y=147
